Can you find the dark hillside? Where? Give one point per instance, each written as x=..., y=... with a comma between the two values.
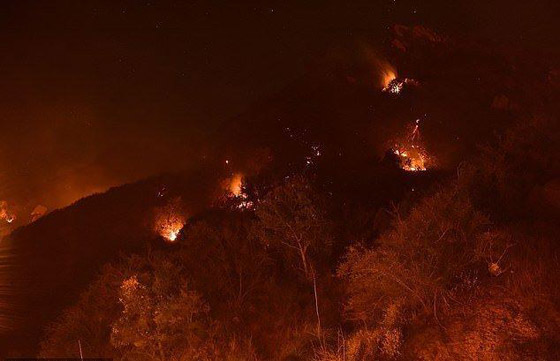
x=55, y=256
x=338, y=128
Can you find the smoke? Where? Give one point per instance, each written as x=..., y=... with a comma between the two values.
x=54, y=155
x=38, y=212
x=383, y=71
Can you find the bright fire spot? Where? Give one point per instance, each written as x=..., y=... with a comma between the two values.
x=5, y=213
x=389, y=74
x=411, y=159
x=172, y=232
x=235, y=185
x=396, y=85
x=234, y=191
x=170, y=220
x=411, y=154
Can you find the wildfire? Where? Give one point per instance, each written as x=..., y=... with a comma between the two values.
x=5, y=213
x=169, y=220
x=395, y=86
x=388, y=75
x=412, y=155
x=235, y=184
x=234, y=191
x=171, y=231
x=412, y=159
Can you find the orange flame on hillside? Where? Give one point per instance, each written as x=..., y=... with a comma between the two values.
x=396, y=85
x=169, y=220
x=234, y=191
x=411, y=153
x=388, y=74
x=235, y=184
x=5, y=213
x=411, y=159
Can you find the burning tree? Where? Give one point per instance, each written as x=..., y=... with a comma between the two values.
x=411, y=154
x=235, y=184
x=235, y=193
x=170, y=219
x=387, y=73
x=396, y=85
x=5, y=213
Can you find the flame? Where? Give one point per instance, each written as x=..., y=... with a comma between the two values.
x=235, y=186
x=396, y=85
x=170, y=233
x=388, y=74
x=5, y=213
x=411, y=159
x=170, y=227
x=412, y=155
x=169, y=220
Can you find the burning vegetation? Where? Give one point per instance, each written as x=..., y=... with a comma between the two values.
x=391, y=82
x=396, y=85
x=234, y=185
x=323, y=264
x=446, y=276
x=412, y=159
x=5, y=213
x=411, y=155
x=388, y=75
x=170, y=219
x=235, y=192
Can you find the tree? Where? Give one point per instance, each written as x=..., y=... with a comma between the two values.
x=144, y=308
x=418, y=264
x=292, y=219
x=162, y=318
x=228, y=264
x=87, y=321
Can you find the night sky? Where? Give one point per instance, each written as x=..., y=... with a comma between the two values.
x=97, y=93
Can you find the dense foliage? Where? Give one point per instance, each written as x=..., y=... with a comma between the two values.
x=468, y=272
x=326, y=254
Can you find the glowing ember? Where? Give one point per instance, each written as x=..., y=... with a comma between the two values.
x=411, y=159
x=396, y=85
x=313, y=156
x=170, y=220
x=412, y=156
x=172, y=232
x=5, y=213
x=234, y=189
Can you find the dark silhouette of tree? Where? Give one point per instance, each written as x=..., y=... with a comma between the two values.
x=162, y=317
x=228, y=263
x=292, y=219
x=88, y=321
